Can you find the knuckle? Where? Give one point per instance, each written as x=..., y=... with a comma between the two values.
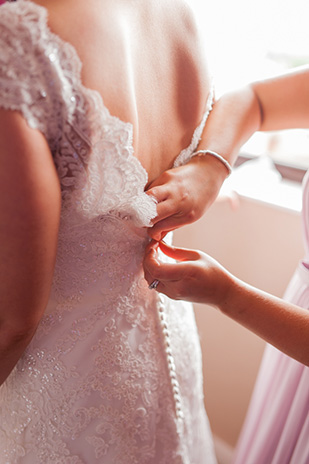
x=155, y=273
x=153, y=192
x=167, y=176
x=191, y=215
x=183, y=195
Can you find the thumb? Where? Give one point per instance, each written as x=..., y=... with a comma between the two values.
x=179, y=254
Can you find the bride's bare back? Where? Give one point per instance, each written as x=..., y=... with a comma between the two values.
x=145, y=59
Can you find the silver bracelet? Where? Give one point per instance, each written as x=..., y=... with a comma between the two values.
x=216, y=155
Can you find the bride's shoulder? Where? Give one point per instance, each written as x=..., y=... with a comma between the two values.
x=185, y=29
x=21, y=21
x=182, y=15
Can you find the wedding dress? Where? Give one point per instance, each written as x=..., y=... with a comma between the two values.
x=113, y=373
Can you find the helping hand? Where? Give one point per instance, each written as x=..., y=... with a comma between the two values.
x=194, y=277
x=183, y=194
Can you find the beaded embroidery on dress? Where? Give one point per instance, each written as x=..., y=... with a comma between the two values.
x=106, y=377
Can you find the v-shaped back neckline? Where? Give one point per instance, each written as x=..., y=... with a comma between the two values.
x=77, y=66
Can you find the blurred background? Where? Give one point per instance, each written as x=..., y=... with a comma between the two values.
x=247, y=40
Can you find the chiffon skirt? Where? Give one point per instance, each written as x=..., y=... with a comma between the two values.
x=276, y=429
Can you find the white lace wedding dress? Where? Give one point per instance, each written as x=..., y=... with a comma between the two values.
x=113, y=374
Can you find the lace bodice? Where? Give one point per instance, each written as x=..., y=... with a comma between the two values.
x=93, y=151
x=105, y=376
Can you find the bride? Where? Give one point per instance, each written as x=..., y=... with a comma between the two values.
x=97, y=100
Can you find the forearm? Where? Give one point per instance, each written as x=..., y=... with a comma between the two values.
x=233, y=120
x=272, y=104
x=284, y=100
x=278, y=322
x=196, y=277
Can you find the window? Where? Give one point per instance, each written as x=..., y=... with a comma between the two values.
x=248, y=40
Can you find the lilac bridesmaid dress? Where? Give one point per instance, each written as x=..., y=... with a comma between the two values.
x=276, y=429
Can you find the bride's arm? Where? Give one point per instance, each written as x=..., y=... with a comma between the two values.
x=29, y=211
x=185, y=193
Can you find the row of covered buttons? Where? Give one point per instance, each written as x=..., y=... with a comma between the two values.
x=170, y=359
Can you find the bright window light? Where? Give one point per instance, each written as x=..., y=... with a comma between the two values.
x=247, y=40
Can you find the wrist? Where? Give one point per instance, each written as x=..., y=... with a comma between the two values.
x=211, y=169
x=217, y=157
x=228, y=294
x=235, y=117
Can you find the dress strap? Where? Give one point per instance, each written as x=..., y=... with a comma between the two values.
x=186, y=154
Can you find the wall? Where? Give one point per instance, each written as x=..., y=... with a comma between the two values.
x=261, y=244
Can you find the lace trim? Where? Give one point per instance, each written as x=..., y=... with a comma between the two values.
x=73, y=159
x=186, y=154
